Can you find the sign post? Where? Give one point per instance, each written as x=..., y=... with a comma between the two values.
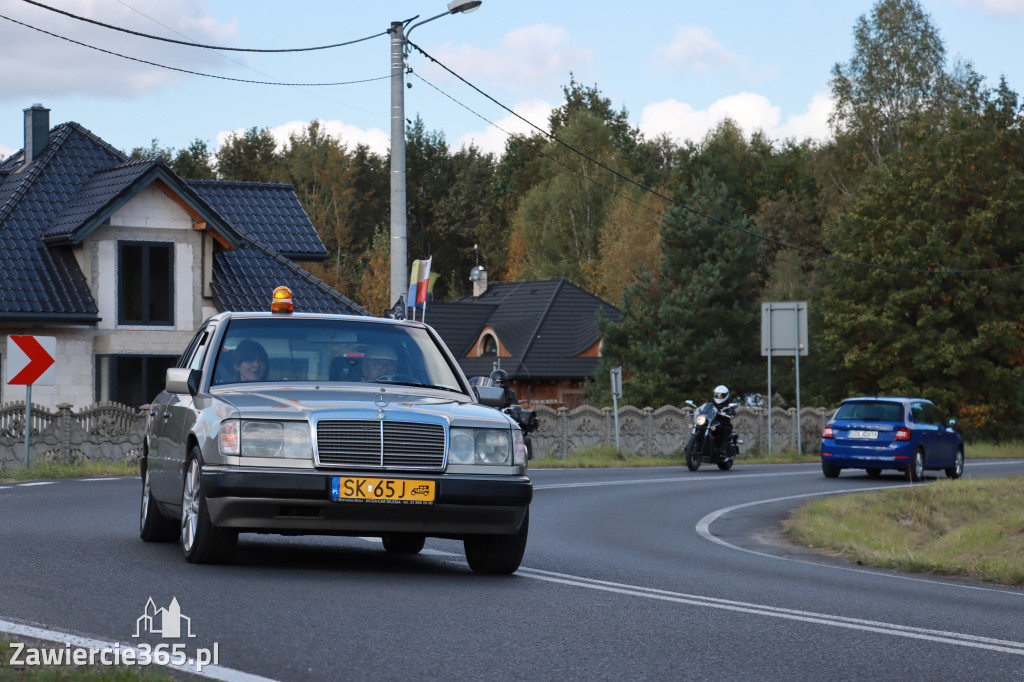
x=784, y=332
x=616, y=394
x=30, y=361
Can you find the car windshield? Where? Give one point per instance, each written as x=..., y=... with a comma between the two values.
x=873, y=411
x=288, y=350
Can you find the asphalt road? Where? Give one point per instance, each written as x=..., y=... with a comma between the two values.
x=648, y=574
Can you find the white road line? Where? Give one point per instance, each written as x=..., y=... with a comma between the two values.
x=90, y=480
x=29, y=485
x=213, y=672
x=881, y=627
x=956, y=638
x=676, y=479
x=703, y=529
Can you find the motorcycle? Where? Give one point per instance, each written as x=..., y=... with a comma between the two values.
x=526, y=418
x=701, y=448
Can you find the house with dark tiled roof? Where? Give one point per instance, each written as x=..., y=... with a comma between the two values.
x=543, y=333
x=121, y=260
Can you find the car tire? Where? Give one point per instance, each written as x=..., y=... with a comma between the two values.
x=202, y=542
x=957, y=470
x=873, y=472
x=915, y=468
x=498, y=554
x=692, y=456
x=403, y=544
x=830, y=470
x=153, y=525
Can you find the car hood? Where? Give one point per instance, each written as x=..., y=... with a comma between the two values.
x=395, y=403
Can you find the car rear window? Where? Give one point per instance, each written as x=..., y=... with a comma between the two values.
x=873, y=411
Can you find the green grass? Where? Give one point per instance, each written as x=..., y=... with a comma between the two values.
x=47, y=470
x=967, y=527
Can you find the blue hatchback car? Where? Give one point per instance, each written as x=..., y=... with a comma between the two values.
x=906, y=434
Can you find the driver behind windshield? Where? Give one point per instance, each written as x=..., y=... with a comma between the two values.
x=379, y=361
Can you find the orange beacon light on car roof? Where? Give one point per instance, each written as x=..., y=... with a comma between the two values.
x=282, y=301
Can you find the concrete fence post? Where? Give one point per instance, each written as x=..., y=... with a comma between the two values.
x=65, y=431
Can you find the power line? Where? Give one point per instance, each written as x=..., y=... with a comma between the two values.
x=679, y=204
x=191, y=44
x=180, y=70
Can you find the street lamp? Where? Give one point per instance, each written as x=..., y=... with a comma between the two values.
x=399, y=41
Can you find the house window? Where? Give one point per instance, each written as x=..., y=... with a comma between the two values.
x=131, y=380
x=145, y=286
x=488, y=345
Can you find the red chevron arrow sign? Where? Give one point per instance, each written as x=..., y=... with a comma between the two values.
x=30, y=360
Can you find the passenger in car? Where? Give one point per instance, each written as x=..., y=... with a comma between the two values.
x=250, y=361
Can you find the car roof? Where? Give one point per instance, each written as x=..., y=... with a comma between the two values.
x=266, y=315
x=885, y=398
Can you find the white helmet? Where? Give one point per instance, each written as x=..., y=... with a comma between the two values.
x=721, y=394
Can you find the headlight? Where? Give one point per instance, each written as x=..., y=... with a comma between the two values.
x=251, y=438
x=700, y=420
x=480, y=446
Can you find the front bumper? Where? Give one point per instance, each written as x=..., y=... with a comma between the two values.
x=290, y=502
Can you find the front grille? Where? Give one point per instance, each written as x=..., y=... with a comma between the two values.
x=380, y=444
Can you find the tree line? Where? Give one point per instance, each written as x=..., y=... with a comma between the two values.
x=901, y=231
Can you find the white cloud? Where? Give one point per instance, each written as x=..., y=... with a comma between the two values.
x=37, y=65
x=377, y=140
x=492, y=140
x=5, y=151
x=694, y=49
x=749, y=110
x=527, y=58
x=999, y=8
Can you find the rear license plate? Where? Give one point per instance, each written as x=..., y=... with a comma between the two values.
x=864, y=435
x=399, y=490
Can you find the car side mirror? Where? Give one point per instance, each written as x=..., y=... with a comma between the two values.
x=182, y=380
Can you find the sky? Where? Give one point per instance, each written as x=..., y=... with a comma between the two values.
x=677, y=67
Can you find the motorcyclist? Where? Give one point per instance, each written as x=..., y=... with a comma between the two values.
x=500, y=378
x=726, y=412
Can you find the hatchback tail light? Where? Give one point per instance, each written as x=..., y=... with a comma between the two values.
x=827, y=433
x=902, y=434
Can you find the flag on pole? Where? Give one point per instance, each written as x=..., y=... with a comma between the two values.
x=414, y=281
x=423, y=280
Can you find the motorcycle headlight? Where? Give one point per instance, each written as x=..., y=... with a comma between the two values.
x=258, y=438
x=701, y=420
x=480, y=446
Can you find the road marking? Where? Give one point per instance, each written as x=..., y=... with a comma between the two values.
x=703, y=529
x=676, y=479
x=29, y=485
x=881, y=627
x=90, y=480
x=941, y=636
x=213, y=672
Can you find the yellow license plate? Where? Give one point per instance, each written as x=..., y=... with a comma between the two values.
x=359, y=489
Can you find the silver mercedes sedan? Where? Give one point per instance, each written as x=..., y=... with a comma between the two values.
x=331, y=425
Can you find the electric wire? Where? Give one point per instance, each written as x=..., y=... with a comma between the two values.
x=706, y=216
x=201, y=45
x=181, y=70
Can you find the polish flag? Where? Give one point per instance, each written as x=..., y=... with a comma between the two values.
x=423, y=281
